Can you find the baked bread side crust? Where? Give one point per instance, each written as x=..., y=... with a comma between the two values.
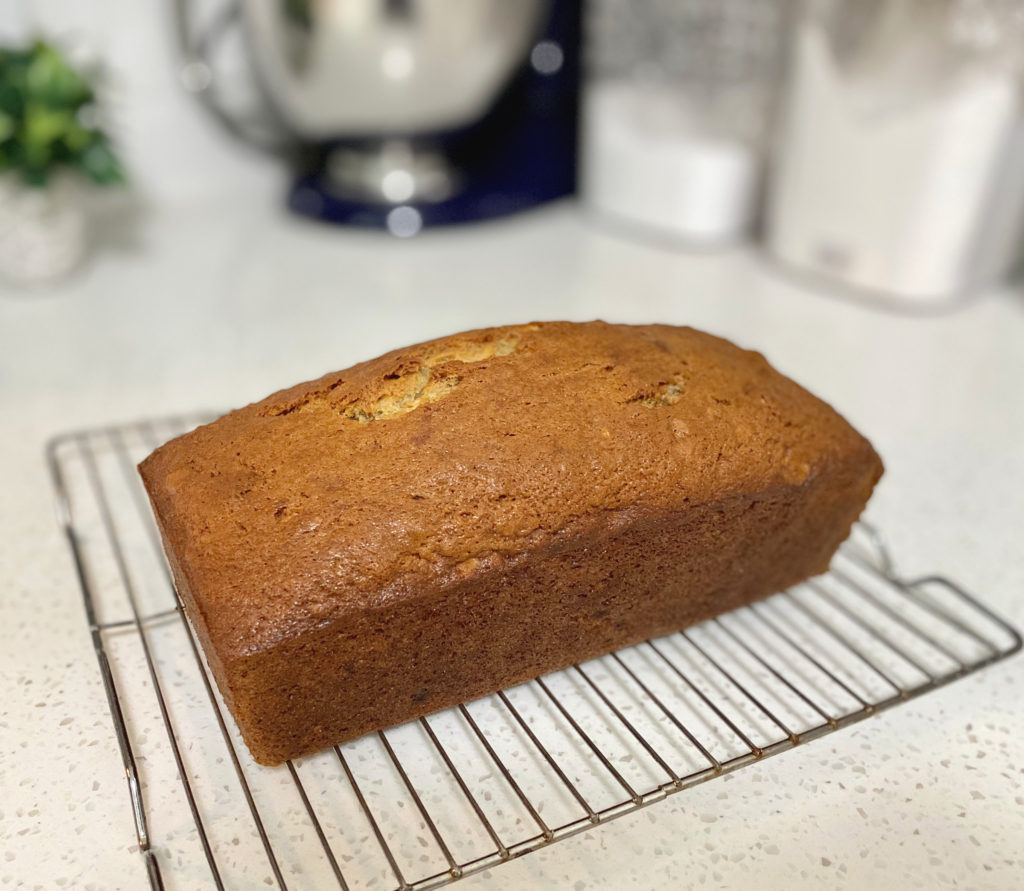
x=465, y=514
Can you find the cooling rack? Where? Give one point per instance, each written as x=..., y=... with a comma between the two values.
x=423, y=804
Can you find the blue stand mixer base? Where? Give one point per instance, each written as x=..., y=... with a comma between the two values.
x=521, y=154
x=480, y=200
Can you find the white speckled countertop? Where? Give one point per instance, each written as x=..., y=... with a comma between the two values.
x=209, y=306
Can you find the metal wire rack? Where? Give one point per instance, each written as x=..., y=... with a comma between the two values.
x=423, y=804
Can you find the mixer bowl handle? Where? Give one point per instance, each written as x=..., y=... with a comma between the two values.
x=256, y=125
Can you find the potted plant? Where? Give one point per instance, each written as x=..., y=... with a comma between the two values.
x=50, y=141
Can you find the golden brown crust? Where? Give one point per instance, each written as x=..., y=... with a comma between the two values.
x=345, y=546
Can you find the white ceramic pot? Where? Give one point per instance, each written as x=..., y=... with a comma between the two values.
x=42, y=229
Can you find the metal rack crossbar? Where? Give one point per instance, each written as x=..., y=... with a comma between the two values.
x=423, y=804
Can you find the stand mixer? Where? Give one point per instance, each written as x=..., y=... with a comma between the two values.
x=399, y=113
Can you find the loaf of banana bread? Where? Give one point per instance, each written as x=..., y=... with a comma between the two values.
x=465, y=514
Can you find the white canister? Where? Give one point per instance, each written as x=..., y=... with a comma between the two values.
x=646, y=162
x=677, y=103
x=900, y=163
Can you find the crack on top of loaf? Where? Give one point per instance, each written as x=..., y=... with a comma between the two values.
x=406, y=389
x=410, y=384
x=276, y=411
x=664, y=393
x=409, y=392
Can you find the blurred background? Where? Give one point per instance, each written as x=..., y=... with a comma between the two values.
x=203, y=201
x=874, y=147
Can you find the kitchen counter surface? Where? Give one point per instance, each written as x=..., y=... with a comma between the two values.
x=213, y=306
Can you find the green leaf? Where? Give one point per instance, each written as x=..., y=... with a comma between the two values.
x=51, y=80
x=100, y=164
x=77, y=138
x=8, y=126
x=12, y=99
x=36, y=178
x=45, y=125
